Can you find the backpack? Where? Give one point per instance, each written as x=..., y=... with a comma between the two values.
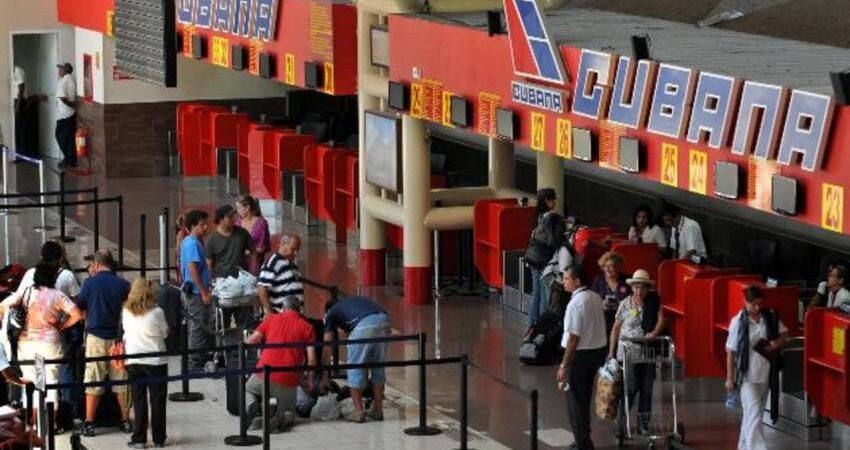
x=546, y=238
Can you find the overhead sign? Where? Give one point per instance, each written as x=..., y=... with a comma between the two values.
x=534, y=53
x=537, y=97
x=254, y=19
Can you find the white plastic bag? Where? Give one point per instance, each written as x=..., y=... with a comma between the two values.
x=227, y=288
x=327, y=408
x=346, y=408
x=247, y=282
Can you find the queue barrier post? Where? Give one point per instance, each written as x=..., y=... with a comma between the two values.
x=62, y=232
x=243, y=439
x=51, y=426
x=96, y=221
x=184, y=395
x=42, y=187
x=422, y=429
x=335, y=372
x=166, y=249
x=534, y=423
x=30, y=408
x=120, y=231
x=163, y=252
x=464, y=403
x=266, y=407
x=5, y=180
x=143, y=252
x=76, y=441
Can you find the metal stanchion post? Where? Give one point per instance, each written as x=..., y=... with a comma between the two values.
x=51, y=427
x=267, y=440
x=423, y=429
x=143, y=253
x=96, y=221
x=62, y=235
x=121, y=231
x=534, y=419
x=464, y=403
x=436, y=263
x=29, y=390
x=243, y=439
x=5, y=180
x=166, y=216
x=163, y=256
x=335, y=372
x=184, y=395
x=42, y=187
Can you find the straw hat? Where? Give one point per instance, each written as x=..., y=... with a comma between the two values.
x=640, y=277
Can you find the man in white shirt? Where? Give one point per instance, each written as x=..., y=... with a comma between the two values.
x=686, y=235
x=832, y=291
x=66, y=115
x=585, y=347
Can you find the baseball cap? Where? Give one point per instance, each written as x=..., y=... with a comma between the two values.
x=66, y=66
x=224, y=211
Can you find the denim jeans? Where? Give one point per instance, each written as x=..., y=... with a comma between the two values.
x=199, y=315
x=639, y=385
x=539, y=303
x=372, y=326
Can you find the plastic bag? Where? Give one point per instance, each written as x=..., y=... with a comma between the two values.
x=247, y=282
x=611, y=370
x=608, y=392
x=346, y=408
x=327, y=408
x=227, y=288
x=304, y=402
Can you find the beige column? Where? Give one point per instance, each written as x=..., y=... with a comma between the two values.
x=501, y=164
x=550, y=173
x=416, y=197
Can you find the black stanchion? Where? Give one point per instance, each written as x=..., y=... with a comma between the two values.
x=51, y=426
x=96, y=221
x=143, y=252
x=422, y=429
x=267, y=441
x=29, y=390
x=335, y=372
x=534, y=424
x=62, y=237
x=121, y=231
x=464, y=403
x=167, y=249
x=184, y=395
x=243, y=439
x=76, y=442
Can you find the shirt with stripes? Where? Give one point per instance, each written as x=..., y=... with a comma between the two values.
x=281, y=278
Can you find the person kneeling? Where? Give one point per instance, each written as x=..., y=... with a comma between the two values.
x=289, y=327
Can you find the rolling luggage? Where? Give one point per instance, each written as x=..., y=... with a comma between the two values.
x=542, y=342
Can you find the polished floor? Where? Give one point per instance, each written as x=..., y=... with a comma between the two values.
x=477, y=326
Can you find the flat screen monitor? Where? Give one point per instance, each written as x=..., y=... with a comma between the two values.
x=383, y=150
x=784, y=198
x=506, y=124
x=312, y=75
x=199, y=50
x=630, y=155
x=582, y=144
x=460, y=112
x=727, y=180
x=266, y=65
x=398, y=96
x=238, y=57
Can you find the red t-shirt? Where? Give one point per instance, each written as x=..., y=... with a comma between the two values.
x=287, y=327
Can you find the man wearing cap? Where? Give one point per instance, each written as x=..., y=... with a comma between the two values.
x=639, y=316
x=227, y=250
x=66, y=115
x=289, y=327
x=102, y=299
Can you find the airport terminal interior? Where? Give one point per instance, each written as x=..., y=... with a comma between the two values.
x=425, y=224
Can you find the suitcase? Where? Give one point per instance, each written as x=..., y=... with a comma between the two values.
x=170, y=300
x=542, y=342
x=231, y=360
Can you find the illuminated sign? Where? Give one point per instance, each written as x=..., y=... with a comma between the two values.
x=534, y=54
x=537, y=97
x=700, y=107
x=255, y=19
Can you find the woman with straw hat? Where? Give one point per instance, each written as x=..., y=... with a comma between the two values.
x=639, y=316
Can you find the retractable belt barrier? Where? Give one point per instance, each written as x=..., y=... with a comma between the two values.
x=532, y=396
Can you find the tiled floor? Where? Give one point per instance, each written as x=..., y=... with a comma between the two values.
x=476, y=326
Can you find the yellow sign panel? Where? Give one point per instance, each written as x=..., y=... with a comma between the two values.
x=538, y=131
x=564, y=147
x=698, y=172
x=417, y=100
x=670, y=165
x=289, y=69
x=329, y=78
x=220, y=51
x=838, y=340
x=446, y=116
x=832, y=207
x=110, y=22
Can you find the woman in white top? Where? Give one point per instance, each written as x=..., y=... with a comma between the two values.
x=644, y=229
x=753, y=333
x=145, y=330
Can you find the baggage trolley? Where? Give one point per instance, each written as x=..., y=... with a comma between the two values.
x=222, y=335
x=661, y=425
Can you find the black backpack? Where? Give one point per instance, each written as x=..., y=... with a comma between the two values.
x=546, y=238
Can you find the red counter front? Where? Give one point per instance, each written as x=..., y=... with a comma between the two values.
x=218, y=131
x=826, y=378
x=498, y=225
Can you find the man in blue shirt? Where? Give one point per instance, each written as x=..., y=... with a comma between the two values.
x=102, y=298
x=361, y=318
x=196, y=285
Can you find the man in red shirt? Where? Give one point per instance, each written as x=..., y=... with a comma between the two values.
x=290, y=327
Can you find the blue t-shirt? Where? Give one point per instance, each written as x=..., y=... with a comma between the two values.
x=191, y=251
x=348, y=312
x=102, y=297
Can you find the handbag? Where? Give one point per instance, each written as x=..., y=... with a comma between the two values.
x=18, y=317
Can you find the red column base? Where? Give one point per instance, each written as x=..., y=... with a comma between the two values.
x=373, y=267
x=417, y=285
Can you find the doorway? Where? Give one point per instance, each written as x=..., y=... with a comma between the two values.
x=37, y=53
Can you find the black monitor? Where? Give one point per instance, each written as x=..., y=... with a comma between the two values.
x=266, y=65
x=313, y=75
x=582, y=144
x=629, y=158
x=727, y=180
x=399, y=96
x=199, y=50
x=506, y=124
x=238, y=57
x=438, y=164
x=785, y=196
x=461, y=116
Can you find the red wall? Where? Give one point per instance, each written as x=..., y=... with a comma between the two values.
x=468, y=62
x=89, y=14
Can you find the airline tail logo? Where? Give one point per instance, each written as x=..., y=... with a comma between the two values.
x=534, y=54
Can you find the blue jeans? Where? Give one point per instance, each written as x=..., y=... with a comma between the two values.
x=539, y=303
x=372, y=326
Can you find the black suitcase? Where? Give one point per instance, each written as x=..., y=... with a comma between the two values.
x=542, y=342
x=231, y=360
x=170, y=300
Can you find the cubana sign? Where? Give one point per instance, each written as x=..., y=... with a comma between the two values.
x=255, y=19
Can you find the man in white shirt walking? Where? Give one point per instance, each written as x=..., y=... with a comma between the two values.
x=585, y=345
x=686, y=235
x=66, y=115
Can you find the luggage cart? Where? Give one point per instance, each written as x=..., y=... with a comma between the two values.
x=662, y=424
x=221, y=334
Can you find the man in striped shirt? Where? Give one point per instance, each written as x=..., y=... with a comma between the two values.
x=279, y=276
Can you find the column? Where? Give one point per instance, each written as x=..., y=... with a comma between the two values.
x=501, y=164
x=550, y=173
x=416, y=191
